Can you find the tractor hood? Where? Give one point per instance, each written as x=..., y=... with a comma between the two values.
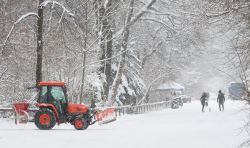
x=77, y=108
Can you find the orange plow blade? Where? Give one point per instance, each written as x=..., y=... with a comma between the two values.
x=106, y=116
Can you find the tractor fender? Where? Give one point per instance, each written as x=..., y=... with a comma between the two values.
x=50, y=106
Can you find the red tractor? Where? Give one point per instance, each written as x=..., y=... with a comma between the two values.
x=54, y=108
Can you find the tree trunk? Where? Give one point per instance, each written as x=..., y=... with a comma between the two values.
x=84, y=53
x=129, y=22
x=105, y=34
x=108, y=69
x=108, y=53
x=39, y=44
x=117, y=80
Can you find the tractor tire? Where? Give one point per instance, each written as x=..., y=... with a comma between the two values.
x=45, y=119
x=80, y=124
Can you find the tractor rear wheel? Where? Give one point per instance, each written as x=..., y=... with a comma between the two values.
x=80, y=124
x=45, y=119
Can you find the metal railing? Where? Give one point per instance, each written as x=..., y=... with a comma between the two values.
x=138, y=109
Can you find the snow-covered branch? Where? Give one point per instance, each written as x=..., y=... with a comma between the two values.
x=218, y=14
x=141, y=12
x=136, y=17
x=160, y=22
x=150, y=53
x=35, y=14
x=57, y=3
x=99, y=61
x=235, y=7
x=26, y=15
x=149, y=87
x=16, y=22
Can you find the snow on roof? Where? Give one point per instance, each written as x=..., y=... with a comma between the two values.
x=170, y=85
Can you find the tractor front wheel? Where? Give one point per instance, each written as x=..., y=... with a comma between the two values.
x=45, y=119
x=80, y=124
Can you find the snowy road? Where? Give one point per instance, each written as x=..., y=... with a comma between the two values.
x=183, y=128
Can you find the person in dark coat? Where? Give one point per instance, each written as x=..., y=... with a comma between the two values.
x=92, y=103
x=203, y=100
x=221, y=100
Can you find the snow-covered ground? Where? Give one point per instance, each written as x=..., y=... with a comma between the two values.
x=187, y=127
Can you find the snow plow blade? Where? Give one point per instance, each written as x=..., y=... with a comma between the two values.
x=106, y=116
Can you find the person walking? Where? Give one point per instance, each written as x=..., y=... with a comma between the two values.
x=221, y=100
x=92, y=103
x=203, y=100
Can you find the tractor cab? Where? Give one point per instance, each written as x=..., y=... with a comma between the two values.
x=54, y=93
